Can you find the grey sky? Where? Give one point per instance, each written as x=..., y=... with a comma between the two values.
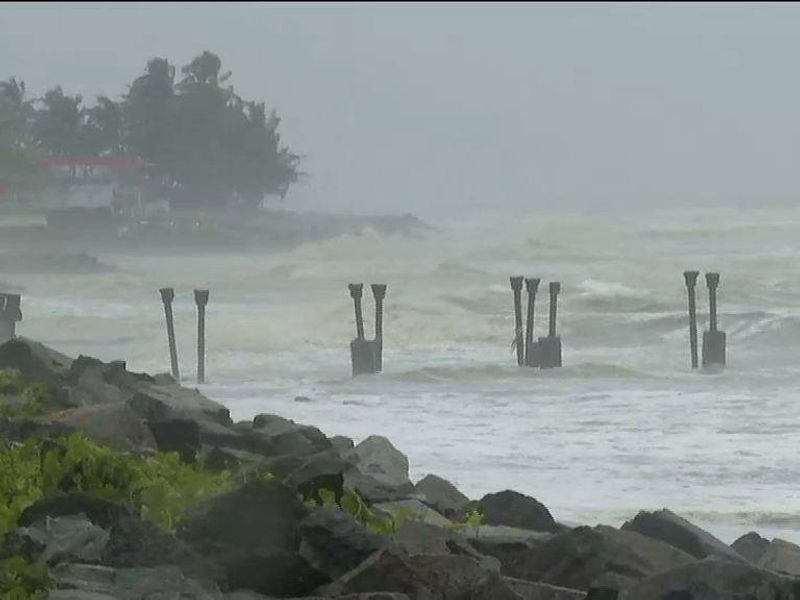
x=431, y=108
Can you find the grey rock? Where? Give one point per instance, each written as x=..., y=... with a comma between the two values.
x=113, y=425
x=584, y=556
x=158, y=583
x=715, y=579
x=55, y=539
x=252, y=534
x=442, y=577
x=513, y=509
x=376, y=457
x=781, y=556
x=666, y=526
x=333, y=542
x=374, y=490
x=441, y=495
x=342, y=444
x=751, y=546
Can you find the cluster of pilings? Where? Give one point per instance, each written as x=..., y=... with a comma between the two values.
x=10, y=315
x=366, y=356
x=714, y=340
x=200, y=300
x=545, y=353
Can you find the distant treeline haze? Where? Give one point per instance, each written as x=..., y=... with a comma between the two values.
x=196, y=135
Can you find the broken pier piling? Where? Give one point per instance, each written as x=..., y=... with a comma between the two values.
x=366, y=356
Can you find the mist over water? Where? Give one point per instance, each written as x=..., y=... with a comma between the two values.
x=624, y=426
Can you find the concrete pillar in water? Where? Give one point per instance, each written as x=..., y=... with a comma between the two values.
x=531, y=349
x=379, y=293
x=167, y=296
x=550, y=346
x=713, y=340
x=516, y=286
x=10, y=315
x=201, y=300
x=362, y=351
x=355, y=294
x=691, y=284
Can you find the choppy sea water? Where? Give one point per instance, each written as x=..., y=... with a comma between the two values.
x=624, y=426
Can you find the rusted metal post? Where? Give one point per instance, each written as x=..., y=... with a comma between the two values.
x=531, y=358
x=167, y=296
x=201, y=300
x=714, y=341
x=355, y=294
x=691, y=283
x=379, y=292
x=516, y=286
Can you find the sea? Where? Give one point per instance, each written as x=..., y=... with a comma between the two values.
x=625, y=425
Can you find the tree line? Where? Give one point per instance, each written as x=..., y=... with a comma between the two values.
x=198, y=138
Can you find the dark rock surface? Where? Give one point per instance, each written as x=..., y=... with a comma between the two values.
x=676, y=531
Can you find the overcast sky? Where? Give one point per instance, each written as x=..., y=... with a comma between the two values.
x=432, y=108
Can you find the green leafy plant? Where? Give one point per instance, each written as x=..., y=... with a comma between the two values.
x=352, y=503
x=19, y=398
x=472, y=519
x=161, y=487
x=23, y=580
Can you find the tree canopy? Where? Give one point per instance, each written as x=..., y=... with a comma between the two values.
x=206, y=144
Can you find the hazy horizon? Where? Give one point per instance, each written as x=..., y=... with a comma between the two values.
x=440, y=109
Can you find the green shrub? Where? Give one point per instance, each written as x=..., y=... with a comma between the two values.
x=352, y=503
x=160, y=487
x=22, y=580
x=18, y=398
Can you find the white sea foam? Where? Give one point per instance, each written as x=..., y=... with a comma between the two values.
x=623, y=426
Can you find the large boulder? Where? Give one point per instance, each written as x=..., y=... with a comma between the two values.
x=333, y=542
x=715, y=579
x=80, y=527
x=114, y=425
x=94, y=582
x=374, y=490
x=513, y=509
x=56, y=539
x=312, y=473
x=508, y=545
x=252, y=534
x=751, y=546
x=35, y=363
x=584, y=557
x=268, y=436
x=446, y=577
x=177, y=435
x=376, y=457
x=441, y=495
x=672, y=529
x=781, y=556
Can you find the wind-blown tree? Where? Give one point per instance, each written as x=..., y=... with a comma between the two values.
x=211, y=143
x=149, y=113
x=15, y=112
x=18, y=161
x=102, y=127
x=57, y=125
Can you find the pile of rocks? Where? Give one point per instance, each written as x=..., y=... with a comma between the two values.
x=263, y=541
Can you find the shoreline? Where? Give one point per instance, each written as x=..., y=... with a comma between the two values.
x=394, y=539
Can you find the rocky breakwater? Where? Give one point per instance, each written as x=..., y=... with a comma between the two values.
x=121, y=485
